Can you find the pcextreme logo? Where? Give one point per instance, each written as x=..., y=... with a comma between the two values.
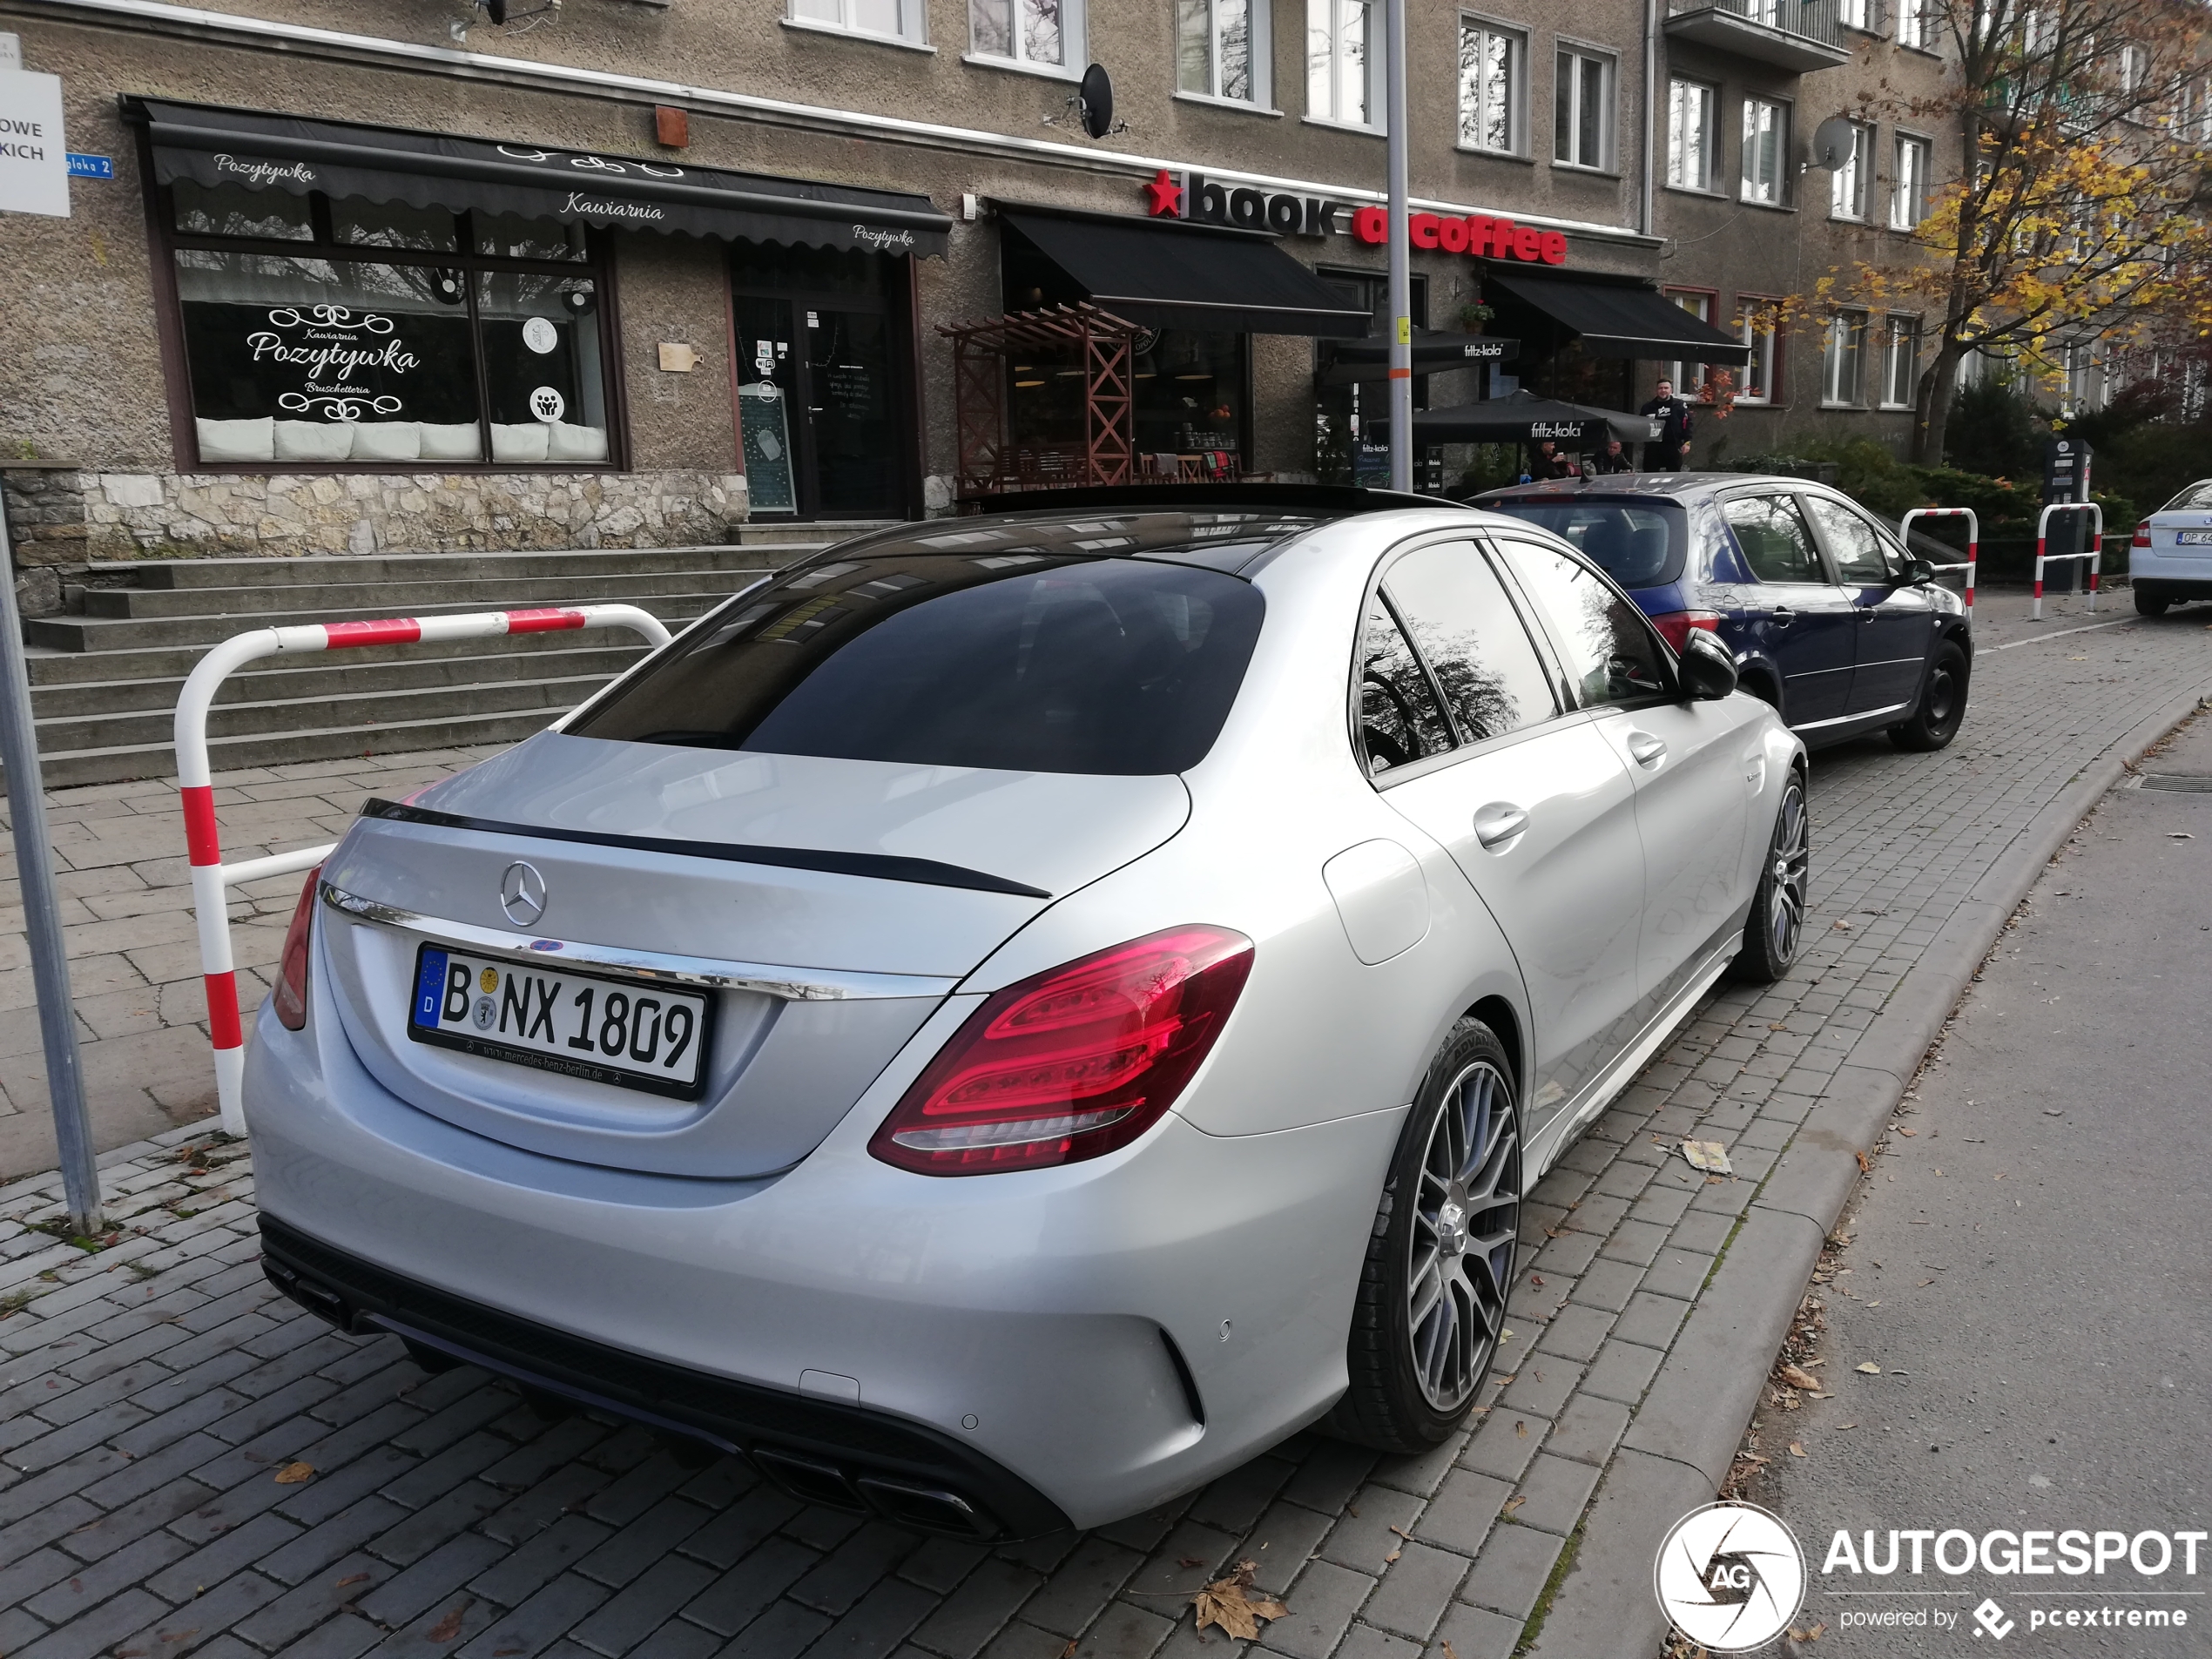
x=1729, y=1576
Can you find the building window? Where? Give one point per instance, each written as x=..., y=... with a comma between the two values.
x=1582, y=110
x=1043, y=34
x=1493, y=81
x=1343, y=61
x=1757, y=326
x=898, y=19
x=1692, y=140
x=1766, y=150
x=1850, y=187
x=1840, y=359
x=320, y=332
x=1901, y=362
x=1222, y=50
x=1689, y=378
x=1916, y=22
x=1855, y=14
x=1909, y=200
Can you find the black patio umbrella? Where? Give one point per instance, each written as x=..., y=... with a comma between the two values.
x=1363, y=362
x=1522, y=417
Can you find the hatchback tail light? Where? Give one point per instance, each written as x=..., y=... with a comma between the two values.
x=1674, y=626
x=2142, y=535
x=291, y=994
x=1073, y=1062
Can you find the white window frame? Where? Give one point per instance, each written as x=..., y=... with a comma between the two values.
x=1576, y=53
x=836, y=17
x=1689, y=378
x=1765, y=192
x=1754, y=318
x=1075, y=50
x=1857, y=14
x=1844, y=346
x=1259, y=25
x=1900, y=352
x=1476, y=118
x=1909, y=181
x=1850, y=187
x=1913, y=18
x=1682, y=93
x=1326, y=19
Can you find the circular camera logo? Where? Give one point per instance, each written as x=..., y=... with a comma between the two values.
x=1730, y=1576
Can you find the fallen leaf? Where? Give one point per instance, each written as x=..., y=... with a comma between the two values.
x=2179, y=835
x=1392, y=1556
x=1402, y=1533
x=1816, y=1632
x=449, y=1627
x=1189, y=1561
x=1521, y=1429
x=1797, y=1379
x=2000, y=1176
x=1869, y=1367
x=1514, y=1503
x=1908, y=1133
x=1777, y=1027
x=353, y=1578
x=293, y=1474
x=1843, y=1426
x=1535, y=1278
x=1840, y=927
x=1232, y=1603
x=1796, y=1448
x=1923, y=1284
x=1864, y=1166
x=1068, y=1652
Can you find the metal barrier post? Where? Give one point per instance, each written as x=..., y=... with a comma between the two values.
x=210, y=877
x=1973, y=542
x=2095, y=555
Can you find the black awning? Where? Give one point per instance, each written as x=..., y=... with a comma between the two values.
x=1523, y=417
x=1622, y=320
x=267, y=151
x=1170, y=275
x=1361, y=362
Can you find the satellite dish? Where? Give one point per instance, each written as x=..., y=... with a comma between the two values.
x=1094, y=101
x=1833, y=140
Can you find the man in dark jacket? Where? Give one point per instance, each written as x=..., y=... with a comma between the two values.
x=1614, y=458
x=1671, y=448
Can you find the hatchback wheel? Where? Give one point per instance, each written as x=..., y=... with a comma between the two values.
x=2150, y=605
x=1440, y=1260
x=1943, y=704
x=1776, y=929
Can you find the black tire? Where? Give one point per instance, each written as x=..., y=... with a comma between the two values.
x=1942, y=707
x=2150, y=605
x=1775, y=931
x=1448, y=1227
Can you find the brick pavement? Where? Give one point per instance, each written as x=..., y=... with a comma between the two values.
x=149, y=1391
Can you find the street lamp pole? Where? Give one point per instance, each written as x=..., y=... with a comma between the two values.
x=1401, y=276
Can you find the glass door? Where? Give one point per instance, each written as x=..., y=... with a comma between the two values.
x=768, y=382
x=849, y=403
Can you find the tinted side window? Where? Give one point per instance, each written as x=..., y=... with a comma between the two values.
x=1022, y=662
x=1638, y=545
x=1400, y=720
x=1611, y=655
x=1777, y=542
x=1862, y=559
x=1469, y=633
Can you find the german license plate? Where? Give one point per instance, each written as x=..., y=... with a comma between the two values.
x=2194, y=538
x=631, y=1033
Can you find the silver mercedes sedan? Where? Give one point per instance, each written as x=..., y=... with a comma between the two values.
x=1013, y=1016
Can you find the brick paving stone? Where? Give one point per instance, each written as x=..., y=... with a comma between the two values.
x=1588, y=1429
x=643, y=1605
x=1322, y=1602
x=1555, y=1490
x=1622, y=1372
x=1369, y=1530
x=975, y=1612
x=787, y=1630
x=1415, y=1590
x=1511, y=1570
x=1576, y=1333
x=1476, y=1633
x=1075, y=1593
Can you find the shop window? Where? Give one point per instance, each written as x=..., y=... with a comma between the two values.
x=1345, y=451
x=1692, y=137
x=1222, y=50
x=1757, y=327
x=1841, y=359
x=1766, y=150
x=1850, y=187
x=1494, y=87
x=897, y=19
x=1582, y=110
x=1037, y=34
x=1343, y=61
x=1909, y=197
x=376, y=339
x=1901, y=362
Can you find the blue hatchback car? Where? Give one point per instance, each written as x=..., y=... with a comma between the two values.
x=1828, y=617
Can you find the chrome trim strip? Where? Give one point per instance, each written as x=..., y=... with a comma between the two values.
x=1846, y=719
x=791, y=984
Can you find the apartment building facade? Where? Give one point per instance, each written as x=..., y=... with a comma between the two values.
x=468, y=274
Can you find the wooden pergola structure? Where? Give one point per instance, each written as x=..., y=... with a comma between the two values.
x=1103, y=344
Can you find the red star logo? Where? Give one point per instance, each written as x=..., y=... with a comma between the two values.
x=1166, y=194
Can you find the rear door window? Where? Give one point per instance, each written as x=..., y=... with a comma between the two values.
x=1777, y=542
x=1401, y=720
x=1639, y=544
x=1023, y=662
x=1472, y=640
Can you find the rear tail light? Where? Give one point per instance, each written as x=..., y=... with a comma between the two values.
x=1071, y=1063
x=2142, y=535
x=1674, y=626
x=291, y=994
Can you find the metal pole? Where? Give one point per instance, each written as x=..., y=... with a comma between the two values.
x=1401, y=276
x=42, y=913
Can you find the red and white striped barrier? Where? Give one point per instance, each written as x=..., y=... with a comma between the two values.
x=1973, y=542
x=2095, y=555
x=210, y=877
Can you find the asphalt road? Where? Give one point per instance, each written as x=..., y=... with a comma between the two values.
x=2028, y=1264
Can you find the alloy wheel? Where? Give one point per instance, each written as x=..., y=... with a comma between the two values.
x=1789, y=869
x=1461, y=1247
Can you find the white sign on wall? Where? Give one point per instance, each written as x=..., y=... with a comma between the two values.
x=34, y=161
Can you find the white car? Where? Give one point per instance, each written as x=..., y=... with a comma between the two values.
x=1014, y=1015
x=2171, y=560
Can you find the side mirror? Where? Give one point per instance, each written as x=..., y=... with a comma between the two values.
x=1708, y=670
x=1919, y=573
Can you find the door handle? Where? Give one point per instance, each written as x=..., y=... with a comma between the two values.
x=1647, y=750
x=1783, y=615
x=1498, y=823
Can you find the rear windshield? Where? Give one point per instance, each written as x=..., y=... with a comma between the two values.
x=1023, y=662
x=2196, y=498
x=1639, y=544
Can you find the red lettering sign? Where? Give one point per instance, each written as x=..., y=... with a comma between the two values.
x=1478, y=234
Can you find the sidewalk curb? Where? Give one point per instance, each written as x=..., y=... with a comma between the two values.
x=1694, y=1415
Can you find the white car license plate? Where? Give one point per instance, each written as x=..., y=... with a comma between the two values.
x=631, y=1033
x=2194, y=538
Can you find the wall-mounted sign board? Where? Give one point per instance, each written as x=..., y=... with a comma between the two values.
x=34, y=163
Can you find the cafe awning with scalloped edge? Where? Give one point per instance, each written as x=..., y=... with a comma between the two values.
x=1622, y=320
x=264, y=151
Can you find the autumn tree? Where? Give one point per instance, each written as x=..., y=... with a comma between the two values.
x=2083, y=137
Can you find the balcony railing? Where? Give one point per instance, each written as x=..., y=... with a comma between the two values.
x=1797, y=34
